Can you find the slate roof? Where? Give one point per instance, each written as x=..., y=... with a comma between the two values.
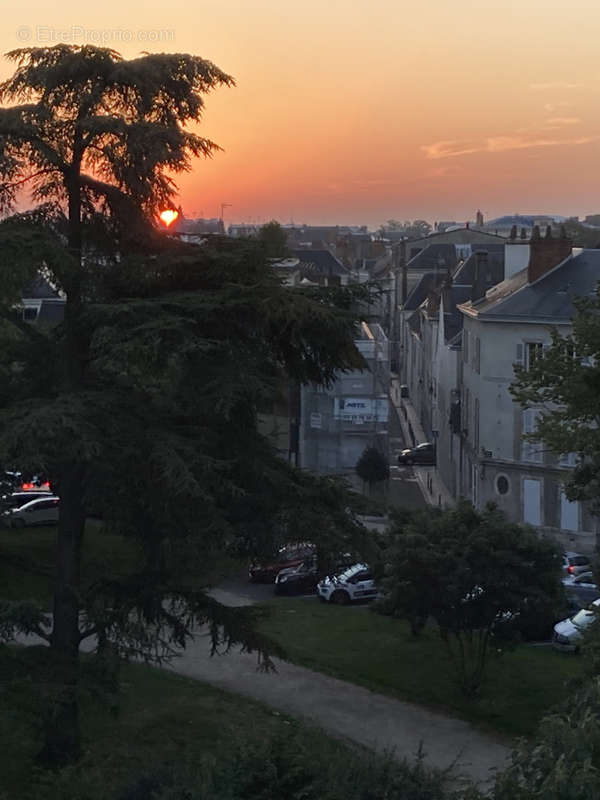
x=38, y=289
x=320, y=262
x=549, y=299
x=419, y=292
x=459, y=236
x=453, y=319
x=435, y=256
x=465, y=274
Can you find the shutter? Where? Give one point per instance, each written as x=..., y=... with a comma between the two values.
x=477, y=354
x=520, y=355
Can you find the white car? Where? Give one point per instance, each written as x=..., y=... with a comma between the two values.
x=42, y=511
x=568, y=633
x=355, y=583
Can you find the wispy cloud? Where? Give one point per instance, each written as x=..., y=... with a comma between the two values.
x=558, y=121
x=541, y=87
x=495, y=144
x=444, y=171
x=552, y=108
x=374, y=182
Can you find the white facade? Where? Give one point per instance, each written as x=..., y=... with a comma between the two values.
x=522, y=478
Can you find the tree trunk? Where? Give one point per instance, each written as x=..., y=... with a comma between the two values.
x=62, y=734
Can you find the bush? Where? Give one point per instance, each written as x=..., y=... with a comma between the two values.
x=295, y=768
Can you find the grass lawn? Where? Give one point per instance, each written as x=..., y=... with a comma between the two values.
x=163, y=719
x=380, y=653
x=27, y=561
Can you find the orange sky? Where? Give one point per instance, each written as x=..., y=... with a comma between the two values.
x=359, y=111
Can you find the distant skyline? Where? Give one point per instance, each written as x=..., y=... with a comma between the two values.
x=354, y=113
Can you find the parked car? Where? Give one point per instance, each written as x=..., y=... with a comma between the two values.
x=42, y=511
x=575, y=563
x=17, y=499
x=291, y=555
x=569, y=632
x=303, y=579
x=582, y=588
x=355, y=583
x=423, y=454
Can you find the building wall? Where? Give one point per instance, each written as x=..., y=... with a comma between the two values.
x=523, y=479
x=339, y=422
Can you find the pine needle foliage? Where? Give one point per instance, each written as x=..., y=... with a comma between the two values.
x=142, y=404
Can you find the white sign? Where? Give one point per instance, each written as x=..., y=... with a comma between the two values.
x=358, y=410
x=315, y=420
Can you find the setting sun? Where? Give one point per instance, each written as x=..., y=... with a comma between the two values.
x=169, y=216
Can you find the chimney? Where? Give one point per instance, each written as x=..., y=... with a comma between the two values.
x=523, y=233
x=479, y=279
x=546, y=253
x=513, y=232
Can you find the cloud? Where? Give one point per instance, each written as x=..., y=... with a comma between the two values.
x=558, y=121
x=449, y=148
x=541, y=87
x=495, y=144
x=553, y=107
x=444, y=171
x=374, y=182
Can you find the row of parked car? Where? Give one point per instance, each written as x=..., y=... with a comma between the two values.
x=294, y=571
x=584, y=595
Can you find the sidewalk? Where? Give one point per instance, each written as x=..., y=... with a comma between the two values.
x=342, y=709
x=351, y=712
x=432, y=487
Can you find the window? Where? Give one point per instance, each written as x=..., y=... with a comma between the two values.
x=30, y=313
x=477, y=355
x=532, y=501
x=476, y=423
x=466, y=346
x=528, y=352
x=530, y=451
x=569, y=514
x=533, y=351
x=568, y=460
x=466, y=409
x=502, y=484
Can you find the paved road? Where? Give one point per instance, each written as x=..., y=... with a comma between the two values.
x=404, y=489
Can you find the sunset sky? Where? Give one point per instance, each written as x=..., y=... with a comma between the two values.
x=356, y=111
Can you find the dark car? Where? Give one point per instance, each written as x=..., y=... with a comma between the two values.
x=423, y=454
x=291, y=555
x=301, y=579
x=581, y=588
